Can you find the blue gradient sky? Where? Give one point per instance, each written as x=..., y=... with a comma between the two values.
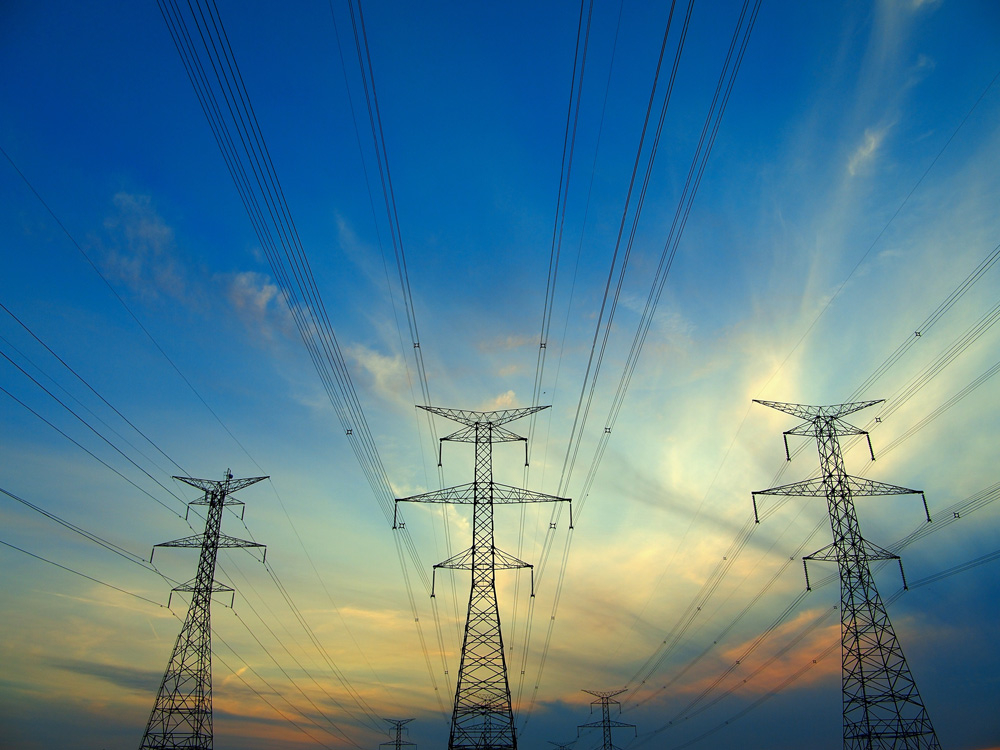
x=851, y=189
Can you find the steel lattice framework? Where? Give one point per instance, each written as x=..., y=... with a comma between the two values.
x=606, y=724
x=182, y=713
x=482, y=718
x=882, y=708
x=397, y=743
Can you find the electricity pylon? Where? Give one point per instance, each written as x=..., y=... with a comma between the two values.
x=398, y=743
x=882, y=708
x=182, y=713
x=606, y=724
x=482, y=718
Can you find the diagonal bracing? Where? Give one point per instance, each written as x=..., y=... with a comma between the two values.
x=881, y=705
x=482, y=718
x=182, y=714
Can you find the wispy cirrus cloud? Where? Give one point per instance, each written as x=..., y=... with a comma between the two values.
x=260, y=304
x=867, y=151
x=141, y=251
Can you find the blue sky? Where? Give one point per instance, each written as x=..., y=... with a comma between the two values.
x=851, y=189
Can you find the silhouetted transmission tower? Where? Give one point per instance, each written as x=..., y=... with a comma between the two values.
x=182, y=714
x=606, y=724
x=482, y=718
x=398, y=743
x=882, y=708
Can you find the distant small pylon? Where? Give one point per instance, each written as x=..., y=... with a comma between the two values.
x=398, y=742
x=606, y=724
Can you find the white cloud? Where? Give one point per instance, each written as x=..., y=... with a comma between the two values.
x=386, y=374
x=142, y=251
x=506, y=400
x=259, y=303
x=866, y=151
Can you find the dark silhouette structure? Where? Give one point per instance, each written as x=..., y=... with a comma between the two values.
x=397, y=743
x=606, y=724
x=182, y=713
x=483, y=718
x=882, y=708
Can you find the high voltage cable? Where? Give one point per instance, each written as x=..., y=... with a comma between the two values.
x=148, y=335
x=710, y=129
x=919, y=334
x=924, y=377
x=236, y=673
x=85, y=423
x=396, y=236
x=302, y=692
x=102, y=542
x=89, y=535
x=967, y=506
x=558, y=224
x=727, y=77
x=884, y=228
x=302, y=297
x=281, y=641
x=562, y=195
x=90, y=387
x=310, y=315
x=162, y=352
x=576, y=431
x=581, y=413
x=580, y=417
x=963, y=288
x=82, y=575
x=121, y=301
x=91, y=454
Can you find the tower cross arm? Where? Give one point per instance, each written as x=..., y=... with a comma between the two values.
x=601, y=724
x=230, y=485
x=501, y=561
x=505, y=493
x=808, y=429
x=231, y=542
x=461, y=494
x=188, y=541
x=497, y=435
x=496, y=418
x=197, y=540
x=809, y=413
x=858, y=486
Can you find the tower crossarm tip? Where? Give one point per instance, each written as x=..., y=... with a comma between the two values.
x=460, y=561
x=231, y=542
x=874, y=552
x=506, y=561
x=606, y=693
x=505, y=493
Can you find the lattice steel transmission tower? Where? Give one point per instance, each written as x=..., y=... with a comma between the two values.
x=482, y=718
x=882, y=708
x=182, y=713
x=398, y=742
x=606, y=724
